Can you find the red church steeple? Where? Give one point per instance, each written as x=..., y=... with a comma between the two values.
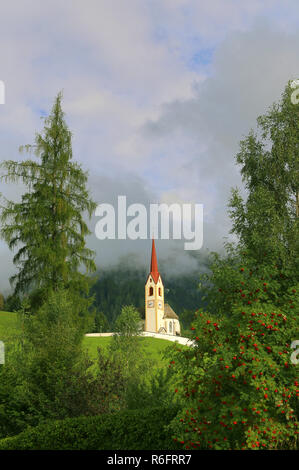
x=154, y=264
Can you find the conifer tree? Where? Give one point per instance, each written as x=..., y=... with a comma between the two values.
x=47, y=226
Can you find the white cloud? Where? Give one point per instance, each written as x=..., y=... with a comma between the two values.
x=143, y=114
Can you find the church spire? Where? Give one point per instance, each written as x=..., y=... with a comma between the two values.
x=154, y=264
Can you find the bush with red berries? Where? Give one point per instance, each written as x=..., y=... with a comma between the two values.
x=238, y=384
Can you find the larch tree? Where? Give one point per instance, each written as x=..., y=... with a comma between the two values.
x=47, y=226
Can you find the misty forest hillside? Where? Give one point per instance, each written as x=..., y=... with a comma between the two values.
x=120, y=285
x=125, y=286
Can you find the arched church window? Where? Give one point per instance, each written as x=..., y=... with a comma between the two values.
x=160, y=293
x=170, y=327
x=151, y=291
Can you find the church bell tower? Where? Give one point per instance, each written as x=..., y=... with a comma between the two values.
x=154, y=296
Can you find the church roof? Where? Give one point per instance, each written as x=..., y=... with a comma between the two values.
x=154, y=264
x=169, y=313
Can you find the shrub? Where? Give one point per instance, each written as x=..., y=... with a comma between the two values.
x=128, y=351
x=152, y=390
x=101, y=324
x=239, y=384
x=125, y=430
x=48, y=376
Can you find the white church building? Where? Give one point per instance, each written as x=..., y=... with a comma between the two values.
x=159, y=316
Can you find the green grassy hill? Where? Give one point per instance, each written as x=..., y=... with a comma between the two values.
x=8, y=324
x=154, y=347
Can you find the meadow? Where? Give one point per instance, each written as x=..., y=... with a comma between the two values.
x=153, y=347
x=8, y=325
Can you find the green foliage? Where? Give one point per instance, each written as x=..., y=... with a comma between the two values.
x=236, y=276
x=184, y=293
x=239, y=385
x=127, y=324
x=152, y=347
x=47, y=375
x=268, y=221
x=186, y=318
x=118, y=287
x=108, y=385
x=44, y=354
x=146, y=383
x=48, y=223
x=13, y=303
x=127, y=349
x=124, y=285
x=156, y=389
x=125, y=430
x=101, y=324
x=125, y=340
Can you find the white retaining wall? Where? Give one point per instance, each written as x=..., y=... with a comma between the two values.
x=179, y=339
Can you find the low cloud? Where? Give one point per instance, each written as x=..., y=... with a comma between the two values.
x=157, y=95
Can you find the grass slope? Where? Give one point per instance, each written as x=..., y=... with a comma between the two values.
x=8, y=324
x=153, y=347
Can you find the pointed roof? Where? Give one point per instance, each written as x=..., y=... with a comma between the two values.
x=154, y=264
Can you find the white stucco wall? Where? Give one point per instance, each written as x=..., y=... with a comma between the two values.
x=178, y=339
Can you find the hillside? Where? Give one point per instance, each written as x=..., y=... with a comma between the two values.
x=8, y=324
x=154, y=347
x=124, y=285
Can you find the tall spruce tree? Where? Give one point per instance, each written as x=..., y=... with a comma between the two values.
x=47, y=225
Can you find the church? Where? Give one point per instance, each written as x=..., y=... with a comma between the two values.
x=159, y=316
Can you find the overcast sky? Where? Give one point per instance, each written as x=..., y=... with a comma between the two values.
x=157, y=93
